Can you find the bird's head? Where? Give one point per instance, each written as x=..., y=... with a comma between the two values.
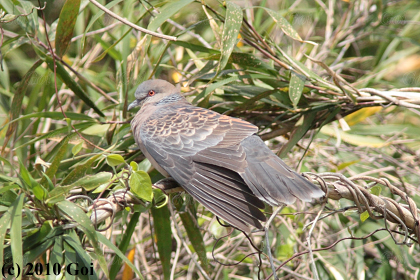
x=152, y=91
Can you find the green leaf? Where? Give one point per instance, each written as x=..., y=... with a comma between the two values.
x=16, y=232
x=166, y=12
x=195, y=48
x=72, y=84
x=77, y=148
x=125, y=241
x=118, y=252
x=4, y=225
x=297, y=83
x=78, y=215
x=57, y=132
x=97, y=130
x=70, y=258
x=34, y=253
x=206, y=93
x=52, y=170
x=97, y=14
x=249, y=102
x=298, y=133
x=160, y=199
x=284, y=25
x=35, y=243
x=134, y=166
x=5, y=161
x=163, y=237
x=364, y=216
x=54, y=116
x=50, y=183
x=25, y=176
x=245, y=59
x=114, y=160
x=17, y=101
x=80, y=170
x=39, y=192
x=144, y=165
x=141, y=185
x=193, y=231
x=233, y=22
x=347, y=164
x=88, y=182
x=357, y=140
x=285, y=251
x=376, y=190
x=56, y=255
x=65, y=26
x=111, y=49
x=81, y=257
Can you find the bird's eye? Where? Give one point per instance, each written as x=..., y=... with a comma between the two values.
x=151, y=92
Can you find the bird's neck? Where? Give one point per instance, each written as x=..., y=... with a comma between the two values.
x=172, y=98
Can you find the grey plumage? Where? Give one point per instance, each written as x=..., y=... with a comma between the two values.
x=216, y=158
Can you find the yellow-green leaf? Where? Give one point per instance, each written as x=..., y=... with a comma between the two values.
x=90, y=182
x=159, y=198
x=77, y=148
x=364, y=216
x=376, y=190
x=357, y=140
x=134, y=166
x=114, y=159
x=361, y=115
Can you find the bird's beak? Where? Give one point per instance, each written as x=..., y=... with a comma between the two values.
x=133, y=104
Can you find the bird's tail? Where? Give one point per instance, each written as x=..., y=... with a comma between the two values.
x=270, y=179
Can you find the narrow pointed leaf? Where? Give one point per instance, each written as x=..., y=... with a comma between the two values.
x=65, y=26
x=193, y=231
x=80, y=170
x=51, y=171
x=17, y=101
x=56, y=255
x=16, y=234
x=71, y=83
x=82, y=258
x=163, y=237
x=298, y=133
x=167, y=11
x=78, y=215
x=230, y=33
x=57, y=132
x=285, y=26
x=118, y=252
x=123, y=246
x=297, y=83
x=77, y=148
x=4, y=224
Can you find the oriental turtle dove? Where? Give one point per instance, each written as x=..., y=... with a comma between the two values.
x=217, y=159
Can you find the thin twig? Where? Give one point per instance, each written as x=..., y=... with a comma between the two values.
x=132, y=25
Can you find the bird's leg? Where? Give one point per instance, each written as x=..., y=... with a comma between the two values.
x=267, y=241
x=168, y=185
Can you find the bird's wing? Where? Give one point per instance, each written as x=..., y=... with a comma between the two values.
x=270, y=179
x=201, y=150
